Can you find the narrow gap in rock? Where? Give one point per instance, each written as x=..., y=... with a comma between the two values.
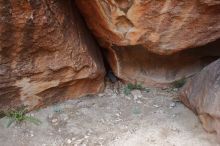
x=109, y=73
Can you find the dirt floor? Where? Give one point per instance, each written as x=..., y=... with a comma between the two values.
x=146, y=118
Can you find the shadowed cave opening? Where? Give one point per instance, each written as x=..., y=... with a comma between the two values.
x=138, y=59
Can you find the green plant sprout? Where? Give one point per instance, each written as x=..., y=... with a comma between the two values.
x=18, y=116
x=179, y=83
x=129, y=87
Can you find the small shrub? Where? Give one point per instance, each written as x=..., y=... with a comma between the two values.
x=19, y=115
x=179, y=83
x=130, y=87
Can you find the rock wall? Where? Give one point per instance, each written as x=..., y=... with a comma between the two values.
x=154, y=42
x=46, y=54
x=135, y=64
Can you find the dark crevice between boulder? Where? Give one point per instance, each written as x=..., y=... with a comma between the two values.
x=109, y=72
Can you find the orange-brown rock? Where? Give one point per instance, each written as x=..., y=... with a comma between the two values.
x=151, y=41
x=161, y=26
x=136, y=64
x=46, y=54
x=202, y=95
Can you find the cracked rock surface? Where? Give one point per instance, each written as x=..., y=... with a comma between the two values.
x=46, y=54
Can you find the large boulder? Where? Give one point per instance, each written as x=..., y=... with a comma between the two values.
x=151, y=41
x=202, y=95
x=46, y=54
x=161, y=26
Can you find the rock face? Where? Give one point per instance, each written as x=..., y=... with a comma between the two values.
x=137, y=65
x=163, y=27
x=202, y=95
x=148, y=41
x=46, y=54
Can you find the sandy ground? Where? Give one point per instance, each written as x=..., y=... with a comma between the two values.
x=112, y=119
